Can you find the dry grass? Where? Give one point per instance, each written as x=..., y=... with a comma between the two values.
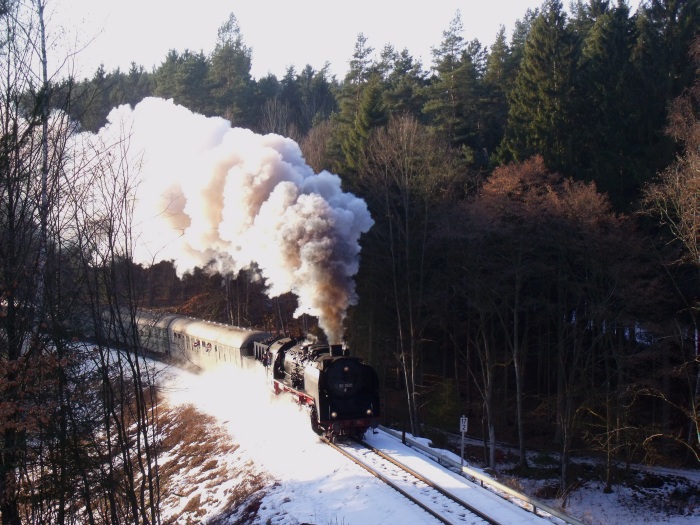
x=202, y=477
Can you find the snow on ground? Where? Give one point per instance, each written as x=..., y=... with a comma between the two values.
x=312, y=483
x=640, y=494
x=299, y=480
x=672, y=499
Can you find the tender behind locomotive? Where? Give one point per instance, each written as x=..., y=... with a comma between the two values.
x=340, y=390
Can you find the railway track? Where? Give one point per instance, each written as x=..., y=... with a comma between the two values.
x=433, y=499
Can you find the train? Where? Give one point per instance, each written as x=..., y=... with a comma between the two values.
x=340, y=391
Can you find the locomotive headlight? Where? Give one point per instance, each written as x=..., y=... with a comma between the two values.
x=334, y=414
x=346, y=369
x=369, y=411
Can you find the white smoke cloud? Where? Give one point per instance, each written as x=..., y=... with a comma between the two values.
x=209, y=192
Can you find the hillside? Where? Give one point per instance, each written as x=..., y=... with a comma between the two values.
x=219, y=469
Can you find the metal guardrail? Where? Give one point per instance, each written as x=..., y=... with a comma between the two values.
x=483, y=478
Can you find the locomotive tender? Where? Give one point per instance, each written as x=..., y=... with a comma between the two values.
x=340, y=391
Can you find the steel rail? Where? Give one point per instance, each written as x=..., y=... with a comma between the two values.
x=401, y=491
x=483, y=479
x=428, y=482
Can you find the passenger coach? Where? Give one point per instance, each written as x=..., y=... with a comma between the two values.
x=185, y=338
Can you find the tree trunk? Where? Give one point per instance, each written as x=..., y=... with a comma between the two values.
x=518, y=366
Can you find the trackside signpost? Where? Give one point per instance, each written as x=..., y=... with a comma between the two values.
x=463, y=426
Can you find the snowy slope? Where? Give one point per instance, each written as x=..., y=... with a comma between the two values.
x=307, y=482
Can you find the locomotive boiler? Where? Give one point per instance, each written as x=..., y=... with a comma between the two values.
x=340, y=391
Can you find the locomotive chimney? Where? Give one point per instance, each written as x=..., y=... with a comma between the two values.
x=336, y=350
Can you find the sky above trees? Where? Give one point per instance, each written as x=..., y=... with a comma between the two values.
x=280, y=33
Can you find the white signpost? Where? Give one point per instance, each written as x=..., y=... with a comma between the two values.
x=463, y=426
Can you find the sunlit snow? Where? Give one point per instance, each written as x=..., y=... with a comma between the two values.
x=314, y=484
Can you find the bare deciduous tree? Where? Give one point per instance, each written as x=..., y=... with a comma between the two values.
x=407, y=173
x=675, y=201
x=76, y=425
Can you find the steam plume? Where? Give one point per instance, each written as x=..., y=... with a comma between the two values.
x=209, y=192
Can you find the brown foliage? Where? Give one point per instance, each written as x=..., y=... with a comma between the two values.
x=24, y=381
x=316, y=145
x=529, y=192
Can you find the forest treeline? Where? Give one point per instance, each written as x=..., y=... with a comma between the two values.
x=534, y=261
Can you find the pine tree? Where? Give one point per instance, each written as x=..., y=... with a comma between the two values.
x=663, y=68
x=540, y=116
x=318, y=96
x=231, y=84
x=138, y=84
x=371, y=114
x=193, y=89
x=165, y=76
x=456, y=106
x=584, y=16
x=497, y=79
x=342, y=147
x=183, y=77
x=519, y=36
x=442, y=106
x=355, y=80
x=405, y=83
x=607, y=113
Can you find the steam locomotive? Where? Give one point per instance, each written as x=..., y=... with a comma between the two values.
x=340, y=391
